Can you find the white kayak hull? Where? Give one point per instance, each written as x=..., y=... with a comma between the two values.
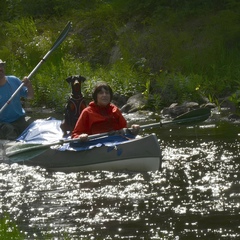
x=133, y=165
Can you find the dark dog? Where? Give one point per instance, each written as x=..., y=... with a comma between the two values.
x=75, y=104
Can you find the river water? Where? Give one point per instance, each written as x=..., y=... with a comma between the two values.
x=196, y=195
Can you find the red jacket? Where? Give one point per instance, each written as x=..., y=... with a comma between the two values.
x=95, y=119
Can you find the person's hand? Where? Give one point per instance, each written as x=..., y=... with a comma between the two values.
x=26, y=82
x=83, y=137
x=135, y=129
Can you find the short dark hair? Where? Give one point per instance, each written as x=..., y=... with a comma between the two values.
x=98, y=89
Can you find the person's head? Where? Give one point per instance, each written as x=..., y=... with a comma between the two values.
x=2, y=63
x=102, y=94
x=2, y=69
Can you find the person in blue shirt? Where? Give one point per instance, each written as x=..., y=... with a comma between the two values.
x=12, y=118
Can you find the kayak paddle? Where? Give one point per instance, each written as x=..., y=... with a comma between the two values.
x=192, y=116
x=197, y=115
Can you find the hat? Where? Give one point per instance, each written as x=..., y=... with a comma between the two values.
x=1, y=61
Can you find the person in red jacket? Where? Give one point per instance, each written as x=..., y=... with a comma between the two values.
x=101, y=115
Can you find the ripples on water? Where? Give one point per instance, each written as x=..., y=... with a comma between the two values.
x=195, y=195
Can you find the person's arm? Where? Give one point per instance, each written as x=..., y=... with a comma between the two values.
x=82, y=125
x=28, y=84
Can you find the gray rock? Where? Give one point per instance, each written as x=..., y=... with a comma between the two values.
x=175, y=110
x=134, y=103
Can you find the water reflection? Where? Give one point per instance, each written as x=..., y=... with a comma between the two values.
x=195, y=195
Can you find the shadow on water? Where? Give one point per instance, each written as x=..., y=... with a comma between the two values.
x=195, y=195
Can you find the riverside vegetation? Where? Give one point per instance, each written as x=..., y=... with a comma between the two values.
x=171, y=51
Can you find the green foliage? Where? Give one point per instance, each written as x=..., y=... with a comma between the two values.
x=18, y=49
x=172, y=51
x=93, y=43
x=235, y=98
x=176, y=87
x=9, y=229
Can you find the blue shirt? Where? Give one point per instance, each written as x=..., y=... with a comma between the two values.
x=14, y=109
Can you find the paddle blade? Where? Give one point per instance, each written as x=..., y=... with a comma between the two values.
x=197, y=115
x=22, y=147
x=20, y=157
